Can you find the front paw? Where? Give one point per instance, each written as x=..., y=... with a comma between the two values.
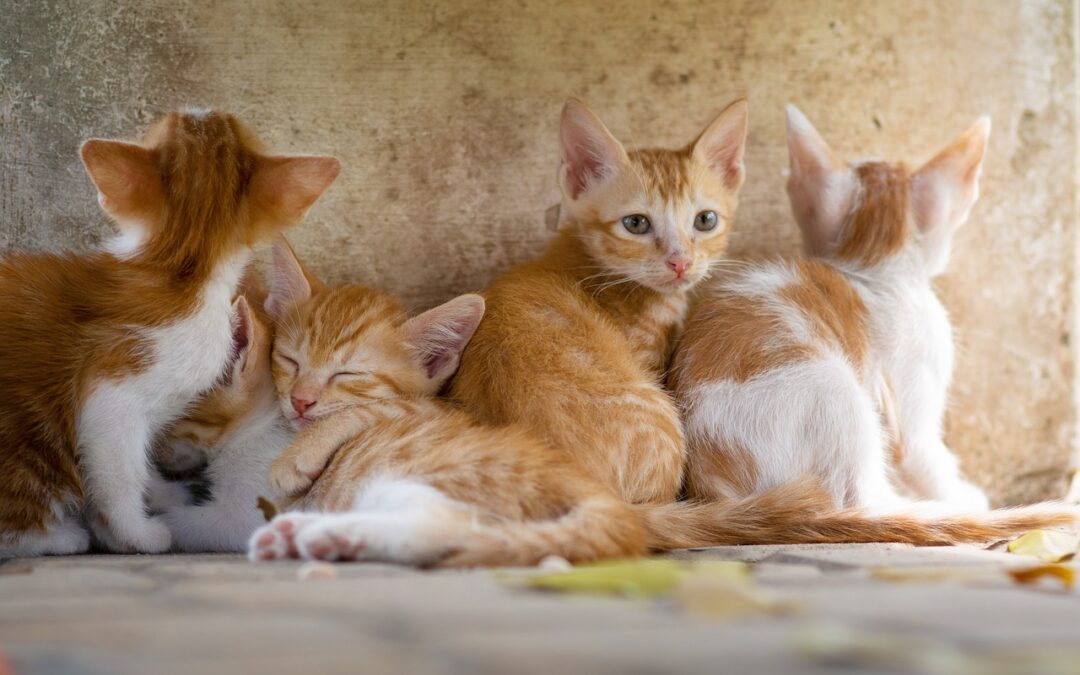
x=288, y=478
x=146, y=535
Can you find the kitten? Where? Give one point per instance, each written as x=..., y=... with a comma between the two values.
x=382, y=470
x=838, y=365
x=575, y=343
x=100, y=351
x=237, y=426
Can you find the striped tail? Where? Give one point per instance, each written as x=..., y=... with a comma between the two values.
x=800, y=514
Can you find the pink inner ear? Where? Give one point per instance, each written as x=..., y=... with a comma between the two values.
x=241, y=341
x=580, y=171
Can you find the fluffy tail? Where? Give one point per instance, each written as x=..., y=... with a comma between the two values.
x=597, y=528
x=800, y=514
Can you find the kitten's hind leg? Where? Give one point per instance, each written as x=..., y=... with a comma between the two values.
x=393, y=520
x=277, y=540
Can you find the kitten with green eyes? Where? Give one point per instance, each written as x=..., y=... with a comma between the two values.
x=575, y=344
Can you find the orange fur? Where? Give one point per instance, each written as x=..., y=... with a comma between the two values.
x=194, y=192
x=574, y=344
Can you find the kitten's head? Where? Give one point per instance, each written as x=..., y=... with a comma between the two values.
x=868, y=213
x=200, y=177
x=655, y=217
x=348, y=345
x=244, y=395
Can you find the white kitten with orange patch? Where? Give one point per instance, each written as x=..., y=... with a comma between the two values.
x=836, y=366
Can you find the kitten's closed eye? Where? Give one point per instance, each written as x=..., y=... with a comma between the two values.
x=289, y=361
x=347, y=374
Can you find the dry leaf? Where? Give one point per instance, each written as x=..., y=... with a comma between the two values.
x=647, y=577
x=840, y=646
x=1047, y=545
x=935, y=574
x=269, y=510
x=1030, y=575
x=719, y=596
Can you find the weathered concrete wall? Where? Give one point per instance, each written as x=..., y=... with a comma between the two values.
x=445, y=117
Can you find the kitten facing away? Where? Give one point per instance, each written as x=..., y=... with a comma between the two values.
x=238, y=428
x=575, y=344
x=100, y=351
x=382, y=470
x=837, y=365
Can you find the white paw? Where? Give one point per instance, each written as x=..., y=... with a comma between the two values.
x=331, y=539
x=276, y=540
x=145, y=535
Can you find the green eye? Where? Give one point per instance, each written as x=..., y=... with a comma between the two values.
x=636, y=224
x=706, y=221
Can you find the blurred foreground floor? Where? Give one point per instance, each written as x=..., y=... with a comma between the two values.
x=867, y=608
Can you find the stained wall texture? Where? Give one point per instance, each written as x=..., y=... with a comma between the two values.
x=445, y=117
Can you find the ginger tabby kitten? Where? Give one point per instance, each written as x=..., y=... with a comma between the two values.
x=382, y=470
x=385, y=471
x=575, y=344
x=100, y=351
x=837, y=366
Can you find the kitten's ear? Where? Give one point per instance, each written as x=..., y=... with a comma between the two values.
x=243, y=333
x=126, y=177
x=292, y=282
x=589, y=153
x=821, y=188
x=946, y=187
x=439, y=335
x=722, y=145
x=283, y=188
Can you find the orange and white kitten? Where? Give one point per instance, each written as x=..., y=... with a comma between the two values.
x=238, y=428
x=836, y=366
x=382, y=470
x=100, y=351
x=575, y=344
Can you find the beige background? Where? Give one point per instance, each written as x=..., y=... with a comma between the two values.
x=445, y=117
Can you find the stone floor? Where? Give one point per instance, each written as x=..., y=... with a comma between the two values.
x=873, y=608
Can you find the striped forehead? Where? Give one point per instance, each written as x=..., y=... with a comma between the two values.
x=664, y=174
x=339, y=320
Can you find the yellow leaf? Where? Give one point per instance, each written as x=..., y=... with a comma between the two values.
x=717, y=596
x=648, y=577
x=1029, y=575
x=1046, y=545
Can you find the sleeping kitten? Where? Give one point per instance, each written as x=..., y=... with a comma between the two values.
x=836, y=366
x=384, y=471
x=575, y=343
x=237, y=426
x=381, y=470
x=100, y=351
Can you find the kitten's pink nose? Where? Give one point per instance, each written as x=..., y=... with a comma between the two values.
x=301, y=405
x=679, y=264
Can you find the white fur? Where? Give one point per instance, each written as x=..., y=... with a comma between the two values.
x=821, y=417
x=121, y=417
x=66, y=535
x=238, y=472
x=395, y=520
